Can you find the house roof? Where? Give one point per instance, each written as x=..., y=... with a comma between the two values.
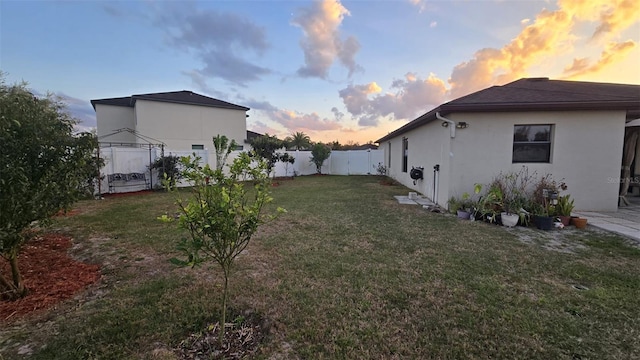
x=252, y=135
x=366, y=147
x=537, y=94
x=176, y=97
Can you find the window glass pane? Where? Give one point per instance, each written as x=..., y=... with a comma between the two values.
x=532, y=133
x=531, y=152
x=197, y=147
x=531, y=143
x=405, y=154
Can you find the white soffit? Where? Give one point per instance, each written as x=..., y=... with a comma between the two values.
x=631, y=123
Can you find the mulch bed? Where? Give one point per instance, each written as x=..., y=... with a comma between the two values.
x=50, y=275
x=241, y=341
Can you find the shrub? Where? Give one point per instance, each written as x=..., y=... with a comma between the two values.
x=319, y=153
x=168, y=168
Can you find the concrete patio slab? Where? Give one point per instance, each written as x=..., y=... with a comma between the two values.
x=420, y=200
x=624, y=224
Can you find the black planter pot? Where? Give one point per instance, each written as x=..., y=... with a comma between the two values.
x=543, y=222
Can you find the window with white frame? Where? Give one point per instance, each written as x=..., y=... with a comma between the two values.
x=532, y=143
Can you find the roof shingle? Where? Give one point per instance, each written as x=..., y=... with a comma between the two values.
x=537, y=94
x=177, y=97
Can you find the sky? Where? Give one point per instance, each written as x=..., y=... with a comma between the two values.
x=347, y=71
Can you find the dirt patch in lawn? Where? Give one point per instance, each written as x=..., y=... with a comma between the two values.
x=50, y=275
x=555, y=240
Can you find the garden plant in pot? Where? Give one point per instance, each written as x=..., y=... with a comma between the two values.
x=489, y=205
x=541, y=217
x=564, y=208
x=512, y=211
x=462, y=207
x=514, y=197
x=545, y=199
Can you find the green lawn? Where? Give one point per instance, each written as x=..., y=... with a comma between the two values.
x=348, y=273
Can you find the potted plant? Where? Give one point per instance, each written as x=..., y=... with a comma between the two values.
x=513, y=198
x=512, y=206
x=489, y=205
x=461, y=207
x=541, y=217
x=564, y=208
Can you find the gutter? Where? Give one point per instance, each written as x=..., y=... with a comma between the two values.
x=451, y=125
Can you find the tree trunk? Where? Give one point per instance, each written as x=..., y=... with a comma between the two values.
x=7, y=289
x=225, y=295
x=14, y=288
x=17, y=278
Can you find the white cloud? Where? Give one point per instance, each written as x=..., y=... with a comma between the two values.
x=412, y=96
x=321, y=43
x=421, y=4
x=294, y=121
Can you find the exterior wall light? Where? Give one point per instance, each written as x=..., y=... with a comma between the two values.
x=445, y=124
x=462, y=125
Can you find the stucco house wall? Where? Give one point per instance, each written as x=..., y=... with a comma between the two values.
x=180, y=126
x=587, y=126
x=181, y=120
x=428, y=146
x=586, y=152
x=113, y=118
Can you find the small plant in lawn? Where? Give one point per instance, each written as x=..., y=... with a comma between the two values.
x=381, y=170
x=222, y=214
x=319, y=153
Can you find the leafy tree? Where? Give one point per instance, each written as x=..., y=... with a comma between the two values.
x=222, y=214
x=93, y=165
x=266, y=147
x=43, y=169
x=298, y=141
x=287, y=160
x=223, y=149
x=335, y=145
x=319, y=153
x=168, y=167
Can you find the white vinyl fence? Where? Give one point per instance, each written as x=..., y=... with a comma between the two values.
x=123, y=166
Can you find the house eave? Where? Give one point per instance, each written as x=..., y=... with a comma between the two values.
x=220, y=106
x=632, y=108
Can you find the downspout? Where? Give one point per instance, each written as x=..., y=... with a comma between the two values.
x=452, y=125
x=436, y=169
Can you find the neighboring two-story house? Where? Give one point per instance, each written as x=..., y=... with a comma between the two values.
x=181, y=120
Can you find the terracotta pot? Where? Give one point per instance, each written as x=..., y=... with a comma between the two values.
x=565, y=220
x=580, y=223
